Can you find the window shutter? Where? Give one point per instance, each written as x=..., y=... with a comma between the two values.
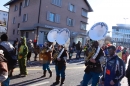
x=26, y=17
x=52, y=1
x=24, y=3
x=48, y=15
x=74, y=8
x=73, y=23
x=69, y=7
x=82, y=12
x=56, y=18
x=23, y=17
x=28, y=2
x=60, y=2
x=67, y=21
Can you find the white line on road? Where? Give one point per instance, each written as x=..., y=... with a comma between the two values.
x=42, y=83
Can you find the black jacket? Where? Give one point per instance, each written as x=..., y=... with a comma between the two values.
x=62, y=62
x=96, y=66
x=119, y=68
x=128, y=70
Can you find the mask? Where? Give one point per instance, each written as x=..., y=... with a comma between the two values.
x=3, y=76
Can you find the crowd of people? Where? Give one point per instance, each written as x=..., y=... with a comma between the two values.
x=104, y=65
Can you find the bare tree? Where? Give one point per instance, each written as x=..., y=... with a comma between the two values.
x=107, y=39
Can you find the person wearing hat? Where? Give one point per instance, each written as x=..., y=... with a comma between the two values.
x=30, y=49
x=114, y=69
x=46, y=55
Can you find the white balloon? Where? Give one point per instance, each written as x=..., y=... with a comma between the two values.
x=52, y=35
x=63, y=36
x=98, y=31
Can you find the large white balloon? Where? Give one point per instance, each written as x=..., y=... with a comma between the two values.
x=98, y=31
x=63, y=36
x=52, y=35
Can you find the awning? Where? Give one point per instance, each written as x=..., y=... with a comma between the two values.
x=27, y=29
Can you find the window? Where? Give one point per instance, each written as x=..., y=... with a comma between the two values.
x=27, y=34
x=20, y=8
x=13, y=31
x=70, y=22
x=25, y=17
x=53, y=17
x=84, y=13
x=15, y=8
x=26, y=3
x=57, y=2
x=83, y=25
x=72, y=8
x=13, y=20
x=18, y=30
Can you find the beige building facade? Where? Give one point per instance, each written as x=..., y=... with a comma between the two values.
x=35, y=18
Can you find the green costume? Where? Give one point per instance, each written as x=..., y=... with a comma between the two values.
x=22, y=57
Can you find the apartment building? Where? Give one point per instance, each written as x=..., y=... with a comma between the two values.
x=3, y=21
x=121, y=35
x=35, y=18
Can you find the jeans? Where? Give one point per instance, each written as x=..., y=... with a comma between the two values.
x=46, y=66
x=88, y=76
x=78, y=54
x=6, y=82
x=60, y=71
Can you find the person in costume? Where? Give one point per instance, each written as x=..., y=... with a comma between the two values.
x=125, y=55
x=22, y=57
x=47, y=58
x=114, y=69
x=93, y=66
x=119, y=51
x=60, y=67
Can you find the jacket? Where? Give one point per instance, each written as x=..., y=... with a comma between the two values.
x=94, y=67
x=113, y=70
x=62, y=62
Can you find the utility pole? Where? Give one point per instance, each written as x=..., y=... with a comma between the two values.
x=124, y=33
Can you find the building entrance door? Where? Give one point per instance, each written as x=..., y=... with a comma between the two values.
x=41, y=38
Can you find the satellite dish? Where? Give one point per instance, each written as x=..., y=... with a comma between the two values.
x=63, y=36
x=98, y=31
x=52, y=35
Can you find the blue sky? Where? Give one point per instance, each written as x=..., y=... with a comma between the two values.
x=2, y=2
x=109, y=11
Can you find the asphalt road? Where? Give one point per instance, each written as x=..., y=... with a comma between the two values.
x=74, y=75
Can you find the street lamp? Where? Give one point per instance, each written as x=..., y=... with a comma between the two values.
x=125, y=20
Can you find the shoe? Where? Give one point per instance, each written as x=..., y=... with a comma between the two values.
x=23, y=75
x=50, y=73
x=62, y=81
x=44, y=74
x=57, y=81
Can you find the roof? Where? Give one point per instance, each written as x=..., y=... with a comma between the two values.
x=10, y=2
x=4, y=11
x=90, y=8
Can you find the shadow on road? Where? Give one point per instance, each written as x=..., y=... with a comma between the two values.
x=25, y=83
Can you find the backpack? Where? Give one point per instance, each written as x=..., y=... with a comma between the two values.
x=10, y=56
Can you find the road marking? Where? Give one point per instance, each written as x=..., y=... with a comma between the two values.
x=17, y=69
x=42, y=83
